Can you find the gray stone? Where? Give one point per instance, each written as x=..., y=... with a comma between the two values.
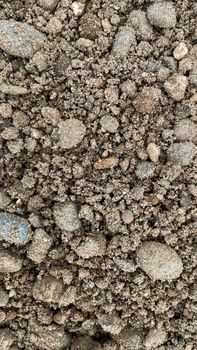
x=110, y=323
x=48, y=4
x=162, y=15
x=4, y=297
x=14, y=229
x=20, y=39
x=182, y=153
x=159, y=261
x=39, y=246
x=130, y=339
x=9, y=263
x=124, y=39
x=155, y=337
x=176, y=86
x=13, y=89
x=66, y=217
x=6, y=339
x=140, y=23
x=69, y=296
x=71, y=133
x=147, y=100
x=48, y=289
x=186, y=130
x=92, y=246
x=145, y=170
x=109, y=123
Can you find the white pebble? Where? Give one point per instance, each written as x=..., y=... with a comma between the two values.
x=66, y=217
x=71, y=132
x=77, y=8
x=109, y=123
x=153, y=151
x=180, y=51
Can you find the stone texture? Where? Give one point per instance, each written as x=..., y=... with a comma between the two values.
x=142, y=26
x=13, y=89
x=186, y=130
x=130, y=339
x=145, y=170
x=147, y=100
x=92, y=246
x=153, y=151
x=4, y=297
x=159, y=261
x=20, y=39
x=14, y=229
x=124, y=39
x=182, y=153
x=9, y=263
x=110, y=323
x=6, y=338
x=176, y=86
x=106, y=163
x=71, y=133
x=180, y=51
x=69, y=296
x=66, y=217
x=48, y=289
x=162, y=14
x=155, y=337
x=39, y=247
x=109, y=123
x=48, y=4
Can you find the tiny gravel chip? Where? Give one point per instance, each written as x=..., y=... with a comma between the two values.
x=159, y=261
x=71, y=133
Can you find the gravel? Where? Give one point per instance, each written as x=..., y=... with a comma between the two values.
x=130, y=338
x=109, y=123
x=71, y=133
x=180, y=51
x=110, y=323
x=14, y=229
x=145, y=170
x=162, y=14
x=155, y=338
x=147, y=100
x=48, y=289
x=9, y=263
x=92, y=246
x=186, y=130
x=66, y=217
x=176, y=86
x=123, y=42
x=181, y=153
x=39, y=247
x=20, y=39
x=159, y=261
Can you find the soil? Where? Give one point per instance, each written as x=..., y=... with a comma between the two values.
x=98, y=133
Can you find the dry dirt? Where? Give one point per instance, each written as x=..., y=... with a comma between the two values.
x=98, y=134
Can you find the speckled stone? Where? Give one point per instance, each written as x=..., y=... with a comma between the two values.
x=14, y=229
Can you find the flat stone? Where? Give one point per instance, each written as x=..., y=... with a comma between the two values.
x=106, y=163
x=9, y=263
x=71, y=133
x=124, y=39
x=159, y=261
x=20, y=39
x=162, y=15
x=14, y=229
x=66, y=217
x=145, y=170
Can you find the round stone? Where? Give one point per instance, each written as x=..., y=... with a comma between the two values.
x=159, y=261
x=66, y=217
x=14, y=229
x=145, y=170
x=182, y=153
x=71, y=133
x=109, y=123
x=162, y=15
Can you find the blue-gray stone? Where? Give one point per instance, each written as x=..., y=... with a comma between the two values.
x=124, y=39
x=14, y=229
x=20, y=39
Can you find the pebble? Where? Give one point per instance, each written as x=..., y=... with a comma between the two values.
x=78, y=8
x=6, y=338
x=51, y=337
x=4, y=297
x=13, y=89
x=162, y=15
x=130, y=338
x=48, y=4
x=92, y=246
x=129, y=88
x=142, y=26
x=5, y=110
x=69, y=296
x=9, y=263
x=145, y=170
x=39, y=247
x=9, y=133
x=20, y=39
x=66, y=217
x=147, y=99
x=153, y=151
x=154, y=338
x=4, y=200
x=159, y=261
x=109, y=123
x=90, y=26
x=110, y=323
x=127, y=216
x=180, y=51
x=51, y=115
x=62, y=65
x=176, y=86
x=48, y=289
x=14, y=229
x=124, y=39
x=186, y=130
x=181, y=153
x=85, y=342
x=124, y=265
x=71, y=133
x=106, y=163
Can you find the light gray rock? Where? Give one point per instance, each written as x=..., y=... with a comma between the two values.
x=130, y=339
x=9, y=263
x=155, y=337
x=71, y=133
x=182, y=153
x=110, y=323
x=4, y=297
x=140, y=23
x=69, y=296
x=147, y=100
x=162, y=14
x=13, y=89
x=186, y=130
x=48, y=289
x=159, y=261
x=145, y=170
x=92, y=246
x=66, y=217
x=20, y=39
x=176, y=86
x=48, y=4
x=124, y=39
x=6, y=339
x=40, y=245
x=109, y=123
x=14, y=229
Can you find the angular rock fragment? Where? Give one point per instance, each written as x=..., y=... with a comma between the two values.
x=9, y=263
x=39, y=246
x=140, y=23
x=176, y=86
x=4, y=297
x=147, y=99
x=110, y=323
x=71, y=132
x=6, y=338
x=66, y=217
x=13, y=90
x=130, y=339
x=162, y=14
x=159, y=261
x=145, y=170
x=106, y=163
x=69, y=296
x=182, y=153
x=186, y=130
x=155, y=337
x=14, y=229
x=20, y=39
x=124, y=39
x=92, y=246
x=48, y=289
x=48, y=4
x=90, y=26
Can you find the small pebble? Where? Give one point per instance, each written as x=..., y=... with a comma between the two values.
x=186, y=130
x=78, y=8
x=145, y=170
x=124, y=265
x=4, y=201
x=147, y=100
x=106, y=163
x=69, y=296
x=109, y=123
x=66, y=217
x=124, y=39
x=180, y=51
x=85, y=343
x=4, y=297
x=176, y=86
x=162, y=14
x=155, y=338
x=71, y=133
x=5, y=110
x=127, y=216
x=48, y=289
x=92, y=246
x=142, y=26
x=159, y=261
x=6, y=338
x=48, y=4
x=153, y=151
x=182, y=153
x=54, y=26
x=110, y=323
x=130, y=338
x=14, y=229
x=90, y=26
x=9, y=263
x=39, y=247
x=13, y=90
x=20, y=39
x=51, y=115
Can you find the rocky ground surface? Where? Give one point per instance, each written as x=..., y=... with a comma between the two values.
x=98, y=143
